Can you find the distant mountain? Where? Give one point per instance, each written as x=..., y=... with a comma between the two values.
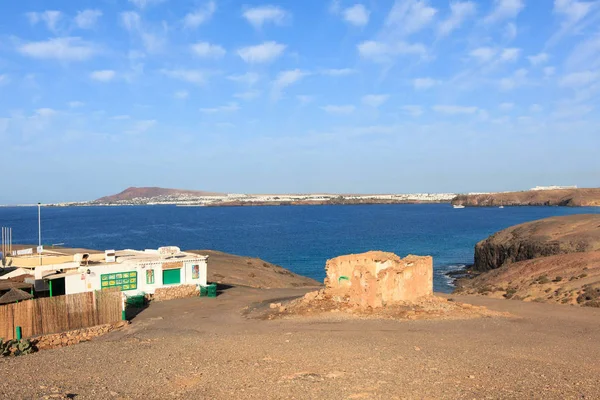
x=151, y=192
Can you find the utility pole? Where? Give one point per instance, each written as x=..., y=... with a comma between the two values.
x=40, y=230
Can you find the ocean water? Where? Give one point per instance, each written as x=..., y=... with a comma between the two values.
x=300, y=238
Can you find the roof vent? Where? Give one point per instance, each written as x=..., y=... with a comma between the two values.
x=110, y=256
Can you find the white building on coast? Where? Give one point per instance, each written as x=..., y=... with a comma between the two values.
x=132, y=271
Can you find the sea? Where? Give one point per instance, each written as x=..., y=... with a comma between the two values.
x=300, y=238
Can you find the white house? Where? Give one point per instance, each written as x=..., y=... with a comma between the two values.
x=132, y=271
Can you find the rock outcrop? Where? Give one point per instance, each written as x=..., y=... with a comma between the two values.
x=564, y=279
x=376, y=279
x=559, y=197
x=542, y=238
x=555, y=260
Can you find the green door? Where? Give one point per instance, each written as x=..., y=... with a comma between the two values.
x=171, y=276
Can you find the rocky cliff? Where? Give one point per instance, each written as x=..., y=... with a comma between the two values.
x=562, y=197
x=546, y=237
x=551, y=260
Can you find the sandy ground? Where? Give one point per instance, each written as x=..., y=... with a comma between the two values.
x=209, y=348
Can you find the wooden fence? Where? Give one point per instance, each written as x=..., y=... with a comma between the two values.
x=60, y=313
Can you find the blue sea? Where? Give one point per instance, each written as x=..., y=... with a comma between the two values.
x=300, y=238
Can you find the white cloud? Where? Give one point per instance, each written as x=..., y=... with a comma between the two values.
x=424, y=83
x=131, y=20
x=75, y=104
x=262, y=53
x=538, y=59
x=510, y=31
x=285, y=79
x=181, y=94
x=195, y=19
x=518, y=78
x=140, y=127
x=357, y=15
x=409, y=16
x=579, y=79
x=63, y=49
x=383, y=52
x=230, y=107
x=105, y=75
x=504, y=9
x=549, y=71
x=249, y=78
x=460, y=11
x=338, y=72
x=259, y=16
x=86, y=19
x=207, y=50
x=335, y=7
x=249, y=95
x=153, y=42
x=195, y=76
x=50, y=18
x=585, y=55
x=573, y=10
x=412, y=110
x=45, y=112
x=488, y=54
x=510, y=54
x=375, y=100
x=483, y=54
x=123, y=117
x=536, y=108
x=304, y=99
x=341, y=110
x=506, y=106
x=454, y=110
x=145, y=3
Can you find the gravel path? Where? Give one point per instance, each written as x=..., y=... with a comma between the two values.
x=205, y=348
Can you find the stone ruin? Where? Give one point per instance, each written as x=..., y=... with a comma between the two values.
x=376, y=279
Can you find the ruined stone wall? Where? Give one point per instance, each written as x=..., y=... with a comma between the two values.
x=62, y=339
x=175, y=292
x=375, y=279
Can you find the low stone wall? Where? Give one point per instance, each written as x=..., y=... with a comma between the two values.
x=175, y=292
x=55, y=340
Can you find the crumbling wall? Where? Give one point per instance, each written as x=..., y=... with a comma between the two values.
x=375, y=279
x=55, y=340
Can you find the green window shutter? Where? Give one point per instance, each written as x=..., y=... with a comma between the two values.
x=171, y=276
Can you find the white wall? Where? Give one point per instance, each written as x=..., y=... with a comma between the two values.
x=78, y=283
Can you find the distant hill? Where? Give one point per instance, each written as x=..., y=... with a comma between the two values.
x=151, y=192
x=558, y=197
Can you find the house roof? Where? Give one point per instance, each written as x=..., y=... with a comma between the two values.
x=7, y=285
x=14, y=295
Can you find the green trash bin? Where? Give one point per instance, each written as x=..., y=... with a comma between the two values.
x=203, y=291
x=136, y=301
x=212, y=290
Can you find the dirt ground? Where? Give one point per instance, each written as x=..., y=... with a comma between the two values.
x=213, y=348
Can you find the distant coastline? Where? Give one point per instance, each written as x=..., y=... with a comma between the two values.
x=572, y=197
x=539, y=196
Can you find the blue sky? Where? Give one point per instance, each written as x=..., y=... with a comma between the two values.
x=297, y=96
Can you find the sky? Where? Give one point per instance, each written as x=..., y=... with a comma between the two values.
x=372, y=96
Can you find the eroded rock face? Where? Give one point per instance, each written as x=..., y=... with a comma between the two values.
x=376, y=279
x=542, y=238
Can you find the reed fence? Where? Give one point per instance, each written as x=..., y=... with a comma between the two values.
x=60, y=313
